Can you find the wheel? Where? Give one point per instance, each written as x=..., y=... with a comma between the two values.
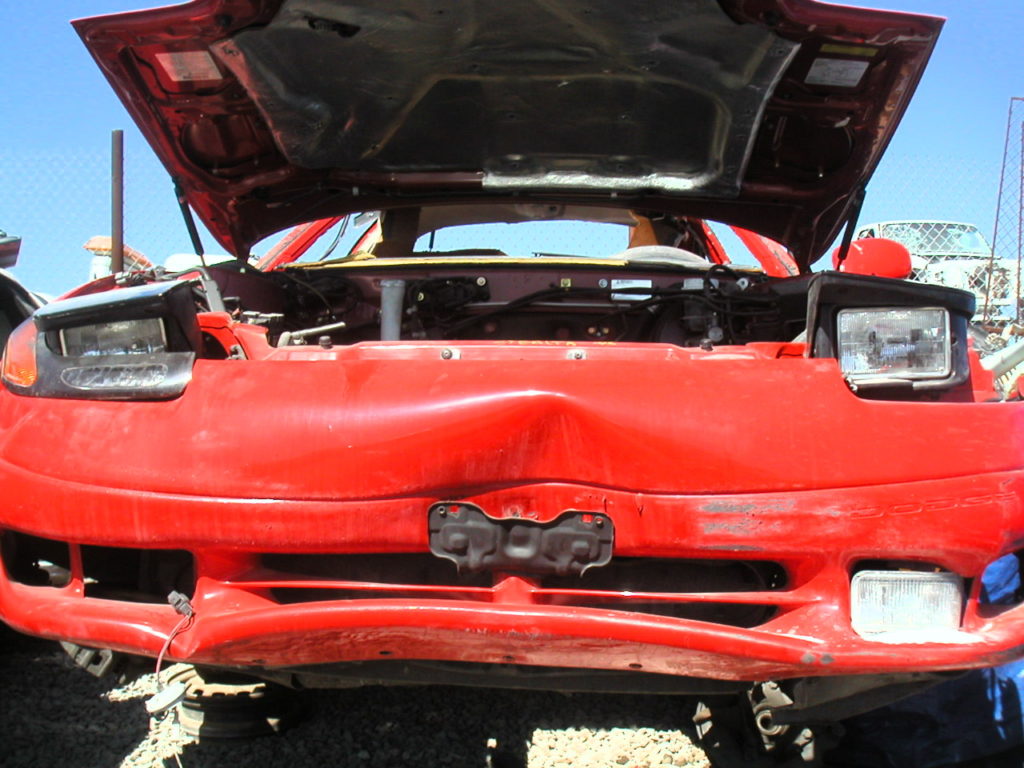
x=219, y=705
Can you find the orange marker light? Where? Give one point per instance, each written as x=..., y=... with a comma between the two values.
x=19, y=362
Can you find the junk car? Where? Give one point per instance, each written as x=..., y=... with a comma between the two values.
x=421, y=458
x=956, y=254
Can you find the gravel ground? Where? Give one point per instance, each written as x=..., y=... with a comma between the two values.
x=53, y=715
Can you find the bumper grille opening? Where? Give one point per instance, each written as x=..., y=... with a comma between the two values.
x=294, y=596
x=34, y=561
x=137, y=575
x=684, y=589
x=643, y=574
x=729, y=614
x=667, y=576
x=414, y=568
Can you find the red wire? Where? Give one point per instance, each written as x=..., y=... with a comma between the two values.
x=179, y=627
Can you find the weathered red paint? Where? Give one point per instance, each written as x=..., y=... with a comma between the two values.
x=693, y=454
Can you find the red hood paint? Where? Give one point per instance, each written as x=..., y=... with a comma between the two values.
x=765, y=114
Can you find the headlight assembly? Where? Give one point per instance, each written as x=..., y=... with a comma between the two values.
x=890, y=334
x=131, y=344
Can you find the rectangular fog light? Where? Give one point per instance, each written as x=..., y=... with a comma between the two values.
x=905, y=606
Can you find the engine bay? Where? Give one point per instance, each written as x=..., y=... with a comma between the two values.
x=548, y=301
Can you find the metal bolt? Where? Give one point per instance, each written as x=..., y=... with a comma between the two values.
x=481, y=281
x=447, y=354
x=602, y=283
x=766, y=724
x=577, y=354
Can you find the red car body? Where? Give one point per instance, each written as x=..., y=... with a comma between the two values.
x=506, y=448
x=302, y=495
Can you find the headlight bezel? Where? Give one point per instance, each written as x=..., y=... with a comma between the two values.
x=118, y=374
x=830, y=293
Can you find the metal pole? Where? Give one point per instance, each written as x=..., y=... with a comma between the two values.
x=117, y=201
x=1020, y=223
x=999, y=204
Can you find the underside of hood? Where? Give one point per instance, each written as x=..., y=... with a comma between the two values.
x=767, y=114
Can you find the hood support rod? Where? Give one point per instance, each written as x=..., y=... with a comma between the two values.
x=851, y=223
x=190, y=223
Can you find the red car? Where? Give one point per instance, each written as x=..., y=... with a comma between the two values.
x=429, y=456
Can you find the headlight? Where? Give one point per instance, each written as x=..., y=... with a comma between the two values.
x=131, y=344
x=126, y=337
x=906, y=606
x=894, y=343
x=890, y=337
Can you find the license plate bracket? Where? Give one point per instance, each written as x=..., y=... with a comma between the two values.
x=568, y=545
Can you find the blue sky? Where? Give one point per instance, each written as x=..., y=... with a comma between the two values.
x=59, y=111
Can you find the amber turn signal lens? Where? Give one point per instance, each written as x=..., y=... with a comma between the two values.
x=19, y=362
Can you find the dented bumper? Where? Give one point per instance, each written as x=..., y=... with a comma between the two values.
x=301, y=526
x=250, y=612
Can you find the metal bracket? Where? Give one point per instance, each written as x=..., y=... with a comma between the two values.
x=95, y=661
x=568, y=545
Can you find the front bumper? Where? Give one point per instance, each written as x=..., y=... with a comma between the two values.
x=248, y=614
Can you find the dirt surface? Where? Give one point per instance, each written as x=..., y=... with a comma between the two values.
x=54, y=715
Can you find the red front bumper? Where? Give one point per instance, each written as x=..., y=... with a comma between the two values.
x=239, y=622
x=689, y=457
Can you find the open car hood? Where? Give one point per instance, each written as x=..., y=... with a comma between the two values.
x=767, y=114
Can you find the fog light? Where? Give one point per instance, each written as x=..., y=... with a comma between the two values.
x=894, y=343
x=906, y=606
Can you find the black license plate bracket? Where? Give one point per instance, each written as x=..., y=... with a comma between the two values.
x=567, y=545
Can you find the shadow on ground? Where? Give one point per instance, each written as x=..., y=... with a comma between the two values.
x=53, y=714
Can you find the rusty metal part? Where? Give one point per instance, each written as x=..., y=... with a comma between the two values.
x=219, y=705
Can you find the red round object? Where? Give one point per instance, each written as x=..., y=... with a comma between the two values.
x=875, y=256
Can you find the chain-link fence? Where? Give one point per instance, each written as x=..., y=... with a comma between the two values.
x=58, y=201
x=943, y=208
x=963, y=228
